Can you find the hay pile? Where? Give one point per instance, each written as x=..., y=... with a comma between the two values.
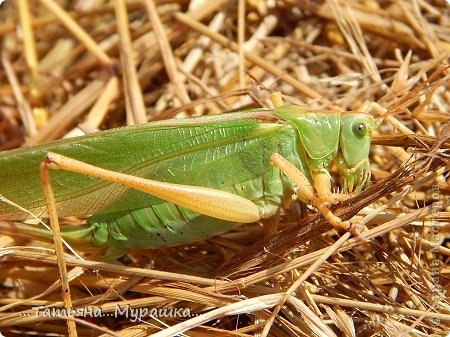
x=70, y=67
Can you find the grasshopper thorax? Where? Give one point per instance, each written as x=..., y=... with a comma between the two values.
x=327, y=135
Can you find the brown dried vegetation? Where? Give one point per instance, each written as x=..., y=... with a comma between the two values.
x=78, y=66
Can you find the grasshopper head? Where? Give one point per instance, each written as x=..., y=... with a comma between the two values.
x=353, y=156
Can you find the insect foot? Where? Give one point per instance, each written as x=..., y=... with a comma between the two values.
x=305, y=193
x=334, y=198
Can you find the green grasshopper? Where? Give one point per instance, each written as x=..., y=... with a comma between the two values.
x=178, y=181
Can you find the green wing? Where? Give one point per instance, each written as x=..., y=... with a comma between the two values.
x=205, y=152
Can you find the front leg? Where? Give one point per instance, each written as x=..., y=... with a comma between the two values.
x=306, y=194
x=322, y=184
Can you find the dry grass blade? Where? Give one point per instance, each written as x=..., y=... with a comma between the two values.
x=28, y=36
x=133, y=94
x=71, y=25
x=253, y=58
x=250, y=305
x=74, y=67
x=302, y=279
x=167, y=54
x=22, y=104
x=68, y=113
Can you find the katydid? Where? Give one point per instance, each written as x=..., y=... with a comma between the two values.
x=205, y=175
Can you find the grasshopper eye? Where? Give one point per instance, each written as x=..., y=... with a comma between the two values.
x=360, y=129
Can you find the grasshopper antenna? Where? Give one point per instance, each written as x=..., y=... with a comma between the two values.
x=260, y=84
x=255, y=90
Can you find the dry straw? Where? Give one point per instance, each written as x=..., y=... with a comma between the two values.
x=78, y=66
